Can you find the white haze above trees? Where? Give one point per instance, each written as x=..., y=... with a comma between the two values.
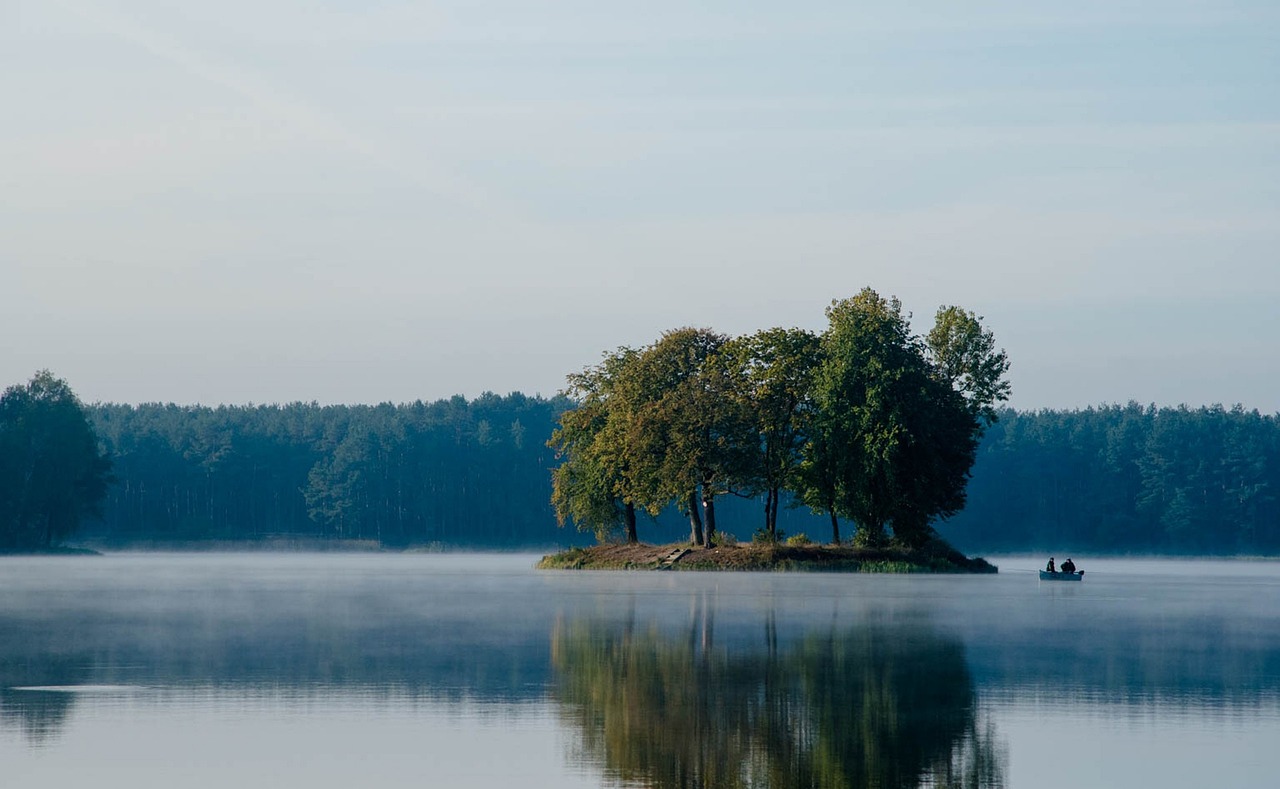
x=866, y=422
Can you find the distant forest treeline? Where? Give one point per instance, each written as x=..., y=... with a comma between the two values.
x=477, y=473
x=1127, y=478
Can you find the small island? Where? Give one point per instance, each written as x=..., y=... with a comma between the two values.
x=866, y=423
x=935, y=556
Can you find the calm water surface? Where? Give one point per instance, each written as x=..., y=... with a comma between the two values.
x=322, y=671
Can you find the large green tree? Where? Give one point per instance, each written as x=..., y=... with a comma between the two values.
x=777, y=367
x=898, y=417
x=693, y=437
x=870, y=364
x=666, y=424
x=592, y=486
x=965, y=355
x=52, y=471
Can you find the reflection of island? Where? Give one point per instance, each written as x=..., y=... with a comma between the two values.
x=864, y=706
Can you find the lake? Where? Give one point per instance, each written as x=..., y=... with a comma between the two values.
x=341, y=670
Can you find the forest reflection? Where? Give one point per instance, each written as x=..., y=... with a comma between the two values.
x=865, y=705
x=39, y=714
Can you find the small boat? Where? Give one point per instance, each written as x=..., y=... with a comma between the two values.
x=1045, y=575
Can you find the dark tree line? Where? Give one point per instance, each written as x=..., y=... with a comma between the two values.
x=52, y=471
x=1111, y=479
x=455, y=471
x=478, y=473
x=1127, y=479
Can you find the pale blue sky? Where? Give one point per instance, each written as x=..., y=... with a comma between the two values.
x=365, y=201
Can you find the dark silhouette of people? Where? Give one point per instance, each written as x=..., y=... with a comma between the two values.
x=1050, y=567
x=1068, y=566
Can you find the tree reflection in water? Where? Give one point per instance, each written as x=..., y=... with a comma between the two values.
x=867, y=705
x=39, y=714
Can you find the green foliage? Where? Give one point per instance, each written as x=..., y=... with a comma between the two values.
x=965, y=356
x=797, y=540
x=571, y=559
x=1111, y=479
x=891, y=567
x=609, y=462
x=1127, y=478
x=398, y=475
x=654, y=427
x=869, y=365
x=893, y=440
x=866, y=422
x=776, y=367
x=585, y=487
x=765, y=536
x=693, y=425
x=52, y=472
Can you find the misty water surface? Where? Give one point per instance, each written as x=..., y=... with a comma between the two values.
x=323, y=670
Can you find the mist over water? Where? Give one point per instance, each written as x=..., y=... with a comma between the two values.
x=328, y=670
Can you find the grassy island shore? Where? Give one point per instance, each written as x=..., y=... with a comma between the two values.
x=935, y=557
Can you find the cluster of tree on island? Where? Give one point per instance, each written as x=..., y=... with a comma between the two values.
x=478, y=473
x=866, y=422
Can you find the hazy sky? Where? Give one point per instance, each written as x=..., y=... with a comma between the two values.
x=364, y=201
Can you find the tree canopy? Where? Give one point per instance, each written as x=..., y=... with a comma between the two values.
x=866, y=422
x=52, y=471
x=593, y=486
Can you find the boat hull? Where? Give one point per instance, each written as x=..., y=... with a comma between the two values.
x=1048, y=576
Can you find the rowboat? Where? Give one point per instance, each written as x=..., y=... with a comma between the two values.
x=1048, y=576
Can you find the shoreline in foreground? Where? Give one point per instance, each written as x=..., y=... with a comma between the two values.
x=935, y=557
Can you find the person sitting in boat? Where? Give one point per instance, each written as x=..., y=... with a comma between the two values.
x=1050, y=567
x=1069, y=566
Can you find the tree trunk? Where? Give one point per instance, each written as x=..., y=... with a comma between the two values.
x=835, y=528
x=695, y=520
x=629, y=513
x=709, y=506
x=771, y=512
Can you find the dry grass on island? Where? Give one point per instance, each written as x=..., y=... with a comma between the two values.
x=936, y=556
